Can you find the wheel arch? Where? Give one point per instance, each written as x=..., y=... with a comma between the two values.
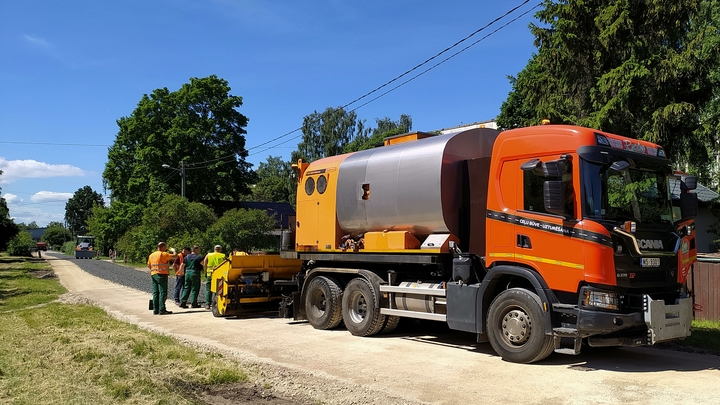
x=503, y=277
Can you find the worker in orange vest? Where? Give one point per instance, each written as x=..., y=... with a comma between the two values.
x=180, y=274
x=159, y=265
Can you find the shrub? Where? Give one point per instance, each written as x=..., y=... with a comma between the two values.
x=21, y=245
x=68, y=248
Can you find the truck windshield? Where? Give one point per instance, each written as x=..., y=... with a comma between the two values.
x=638, y=192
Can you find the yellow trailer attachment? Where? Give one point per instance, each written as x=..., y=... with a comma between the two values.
x=227, y=284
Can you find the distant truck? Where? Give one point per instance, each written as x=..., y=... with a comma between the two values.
x=84, y=247
x=41, y=246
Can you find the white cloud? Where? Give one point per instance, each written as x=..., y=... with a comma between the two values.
x=27, y=214
x=32, y=169
x=50, y=196
x=11, y=198
x=37, y=41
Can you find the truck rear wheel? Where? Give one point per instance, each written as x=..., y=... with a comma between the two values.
x=361, y=316
x=516, y=327
x=390, y=324
x=323, y=303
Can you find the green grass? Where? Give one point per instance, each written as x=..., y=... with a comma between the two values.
x=75, y=354
x=705, y=336
x=21, y=284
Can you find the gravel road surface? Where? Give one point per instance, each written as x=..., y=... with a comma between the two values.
x=417, y=364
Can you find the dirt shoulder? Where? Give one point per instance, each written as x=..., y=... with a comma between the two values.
x=274, y=383
x=420, y=365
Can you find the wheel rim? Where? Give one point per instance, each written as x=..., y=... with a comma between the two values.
x=318, y=303
x=516, y=327
x=357, y=308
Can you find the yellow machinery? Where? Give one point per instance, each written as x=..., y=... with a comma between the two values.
x=241, y=280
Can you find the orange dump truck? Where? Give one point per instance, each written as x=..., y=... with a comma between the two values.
x=536, y=239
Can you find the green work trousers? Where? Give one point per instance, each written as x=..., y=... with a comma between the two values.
x=192, y=287
x=159, y=284
x=208, y=292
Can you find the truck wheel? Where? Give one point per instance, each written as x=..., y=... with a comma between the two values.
x=516, y=327
x=390, y=324
x=359, y=313
x=217, y=311
x=323, y=302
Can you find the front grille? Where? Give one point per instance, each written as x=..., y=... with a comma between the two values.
x=649, y=276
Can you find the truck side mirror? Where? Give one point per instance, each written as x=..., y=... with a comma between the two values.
x=554, y=197
x=688, y=183
x=688, y=205
x=554, y=168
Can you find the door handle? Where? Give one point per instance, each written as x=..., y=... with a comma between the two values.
x=523, y=241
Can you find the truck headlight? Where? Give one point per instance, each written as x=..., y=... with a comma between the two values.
x=601, y=299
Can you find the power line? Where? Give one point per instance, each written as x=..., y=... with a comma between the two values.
x=415, y=68
x=196, y=165
x=446, y=59
x=438, y=54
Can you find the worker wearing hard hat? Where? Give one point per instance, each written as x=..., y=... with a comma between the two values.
x=211, y=261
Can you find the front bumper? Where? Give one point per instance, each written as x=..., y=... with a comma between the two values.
x=657, y=322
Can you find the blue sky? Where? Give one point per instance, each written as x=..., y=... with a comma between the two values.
x=70, y=69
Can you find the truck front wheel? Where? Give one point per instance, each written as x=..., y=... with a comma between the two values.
x=360, y=314
x=323, y=301
x=516, y=327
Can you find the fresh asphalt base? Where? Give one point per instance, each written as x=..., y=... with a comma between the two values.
x=410, y=366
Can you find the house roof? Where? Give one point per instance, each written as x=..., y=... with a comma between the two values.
x=704, y=194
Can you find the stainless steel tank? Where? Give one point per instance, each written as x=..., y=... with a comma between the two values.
x=414, y=186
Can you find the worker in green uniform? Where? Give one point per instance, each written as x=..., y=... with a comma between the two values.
x=211, y=261
x=193, y=267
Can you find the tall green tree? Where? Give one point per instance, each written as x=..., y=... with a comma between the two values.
x=108, y=224
x=276, y=181
x=244, y=229
x=56, y=234
x=8, y=228
x=198, y=127
x=173, y=219
x=79, y=207
x=636, y=68
x=328, y=133
x=386, y=127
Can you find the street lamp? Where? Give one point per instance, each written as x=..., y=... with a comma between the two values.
x=182, y=175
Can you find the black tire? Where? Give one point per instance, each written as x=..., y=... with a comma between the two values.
x=390, y=324
x=323, y=303
x=516, y=327
x=359, y=313
x=215, y=311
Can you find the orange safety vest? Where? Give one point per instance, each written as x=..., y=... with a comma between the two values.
x=159, y=263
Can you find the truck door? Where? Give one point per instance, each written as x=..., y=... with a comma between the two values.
x=502, y=208
x=547, y=241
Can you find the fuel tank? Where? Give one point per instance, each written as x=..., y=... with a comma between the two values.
x=413, y=186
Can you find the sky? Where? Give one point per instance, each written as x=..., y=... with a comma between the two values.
x=69, y=70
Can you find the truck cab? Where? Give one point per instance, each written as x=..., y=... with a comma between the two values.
x=590, y=216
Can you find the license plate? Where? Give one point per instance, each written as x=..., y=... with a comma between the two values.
x=650, y=262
